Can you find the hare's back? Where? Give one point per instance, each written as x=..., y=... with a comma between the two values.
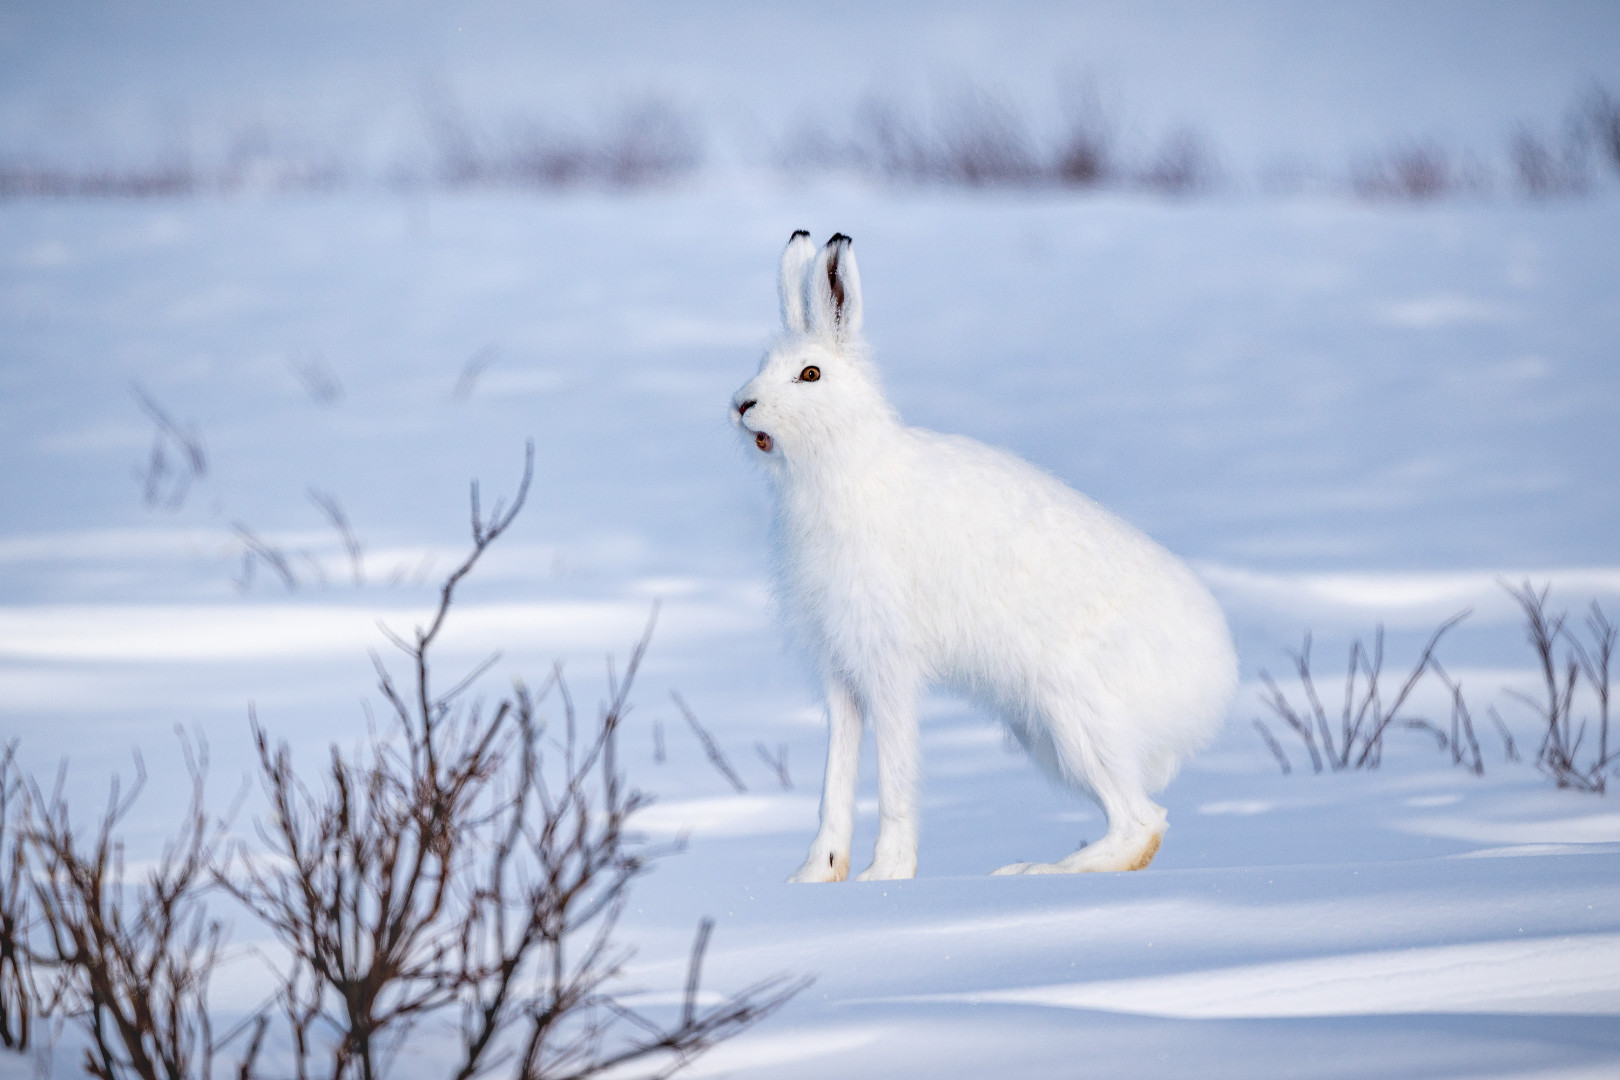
x=1034, y=582
x=1013, y=544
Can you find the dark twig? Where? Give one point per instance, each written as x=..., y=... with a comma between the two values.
x=19, y=993
x=716, y=756
x=476, y=365
x=1275, y=747
x=1279, y=703
x=272, y=556
x=333, y=512
x=1461, y=741
x=1600, y=119
x=1595, y=664
x=162, y=483
x=777, y=763
x=1510, y=750
x=1364, y=716
x=1559, y=754
x=1372, y=744
x=318, y=379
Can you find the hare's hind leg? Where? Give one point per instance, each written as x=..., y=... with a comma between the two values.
x=892, y=710
x=1136, y=824
x=829, y=852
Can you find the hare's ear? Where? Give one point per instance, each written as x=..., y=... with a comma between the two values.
x=796, y=260
x=835, y=290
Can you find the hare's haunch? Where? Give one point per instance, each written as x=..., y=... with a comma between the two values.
x=907, y=558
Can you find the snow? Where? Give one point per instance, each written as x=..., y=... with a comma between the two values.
x=1579, y=975
x=1341, y=414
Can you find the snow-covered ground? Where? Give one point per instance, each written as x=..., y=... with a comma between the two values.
x=1342, y=414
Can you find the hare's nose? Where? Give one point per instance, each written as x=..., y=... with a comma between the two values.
x=742, y=410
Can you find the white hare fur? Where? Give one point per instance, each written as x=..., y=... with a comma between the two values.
x=907, y=558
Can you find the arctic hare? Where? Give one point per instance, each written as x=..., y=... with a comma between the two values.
x=906, y=557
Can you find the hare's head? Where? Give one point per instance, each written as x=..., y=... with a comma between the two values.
x=815, y=389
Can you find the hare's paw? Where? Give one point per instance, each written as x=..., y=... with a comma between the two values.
x=1064, y=867
x=1110, y=854
x=821, y=868
x=889, y=870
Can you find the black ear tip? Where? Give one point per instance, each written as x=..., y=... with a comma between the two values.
x=839, y=238
x=798, y=233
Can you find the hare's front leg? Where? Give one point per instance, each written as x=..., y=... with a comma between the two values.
x=829, y=852
x=893, y=713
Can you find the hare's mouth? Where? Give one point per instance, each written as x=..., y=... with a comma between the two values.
x=761, y=439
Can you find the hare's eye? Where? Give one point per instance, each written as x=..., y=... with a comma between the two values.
x=810, y=374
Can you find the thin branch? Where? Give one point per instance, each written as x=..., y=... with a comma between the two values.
x=333, y=511
x=475, y=366
x=318, y=379
x=1510, y=751
x=711, y=749
x=1559, y=754
x=777, y=763
x=267, y=553
x=20, y=999
x=1272, y=744
x=157, y=472
x=1364, y=717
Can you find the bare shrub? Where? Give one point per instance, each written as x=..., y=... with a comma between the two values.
x=455, y=139
x=538, y=157
x=890, y=142
x=251, y=159
x=1460, y=740
x=650, y=143
x=1413, y=171
x=19, y=995
x=1560, y=753
x=1600, y=120
x=260, y=158
x=128, y=964
x=452, y=873
x=460, y=874
x=982, y=140
x=1084, y=155
x=133, y=181
x=644, y=144
x=1547, y=168
x=972, y=138
x=1364, y=718
x=811, y=146
x=1183, y=165
x=975, y=138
